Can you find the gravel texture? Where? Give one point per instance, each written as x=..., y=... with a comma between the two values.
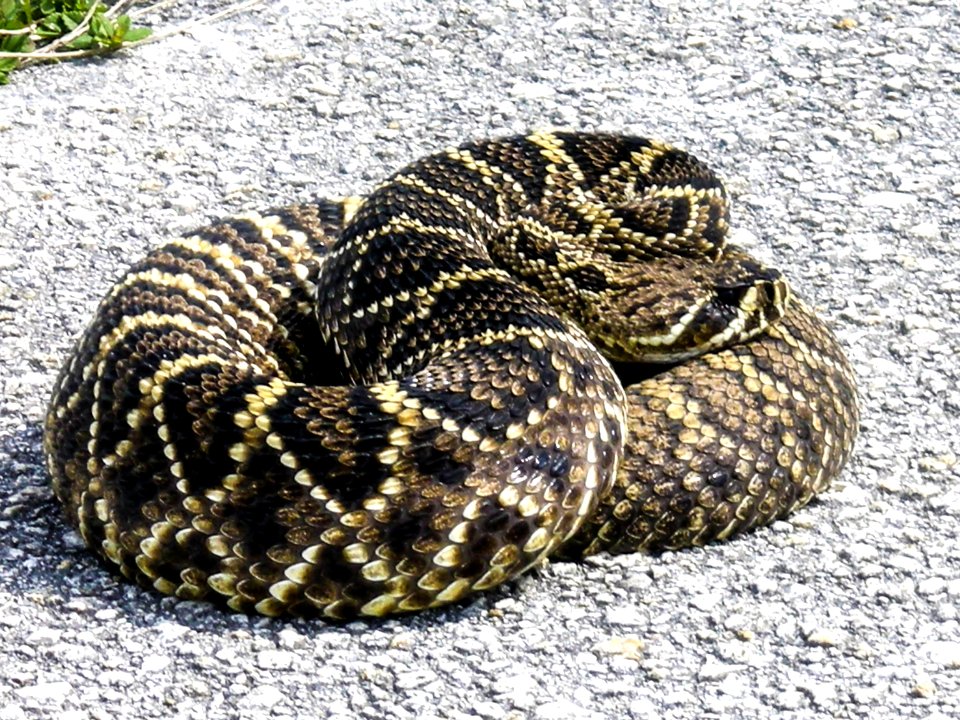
x=834, y=123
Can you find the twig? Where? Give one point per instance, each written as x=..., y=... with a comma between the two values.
x=31, y=58
x=21, y=31
x=134, y=14
x=187, y=27
x=51, y=47
x=118, y=8
x=49, y=51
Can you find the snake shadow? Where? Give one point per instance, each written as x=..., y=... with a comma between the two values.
x=33, y=542
x=42, y=560
x=45, y=564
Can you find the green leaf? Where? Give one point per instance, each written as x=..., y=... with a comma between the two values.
x=137, y=34
x=50, y=28
x=15, y=43
x=9, y=10
x=6, y=65
x=81, y=42
x=70, y=20
x=55, y=18
x=101, y=28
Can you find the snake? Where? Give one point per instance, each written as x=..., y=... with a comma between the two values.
x=523, y=348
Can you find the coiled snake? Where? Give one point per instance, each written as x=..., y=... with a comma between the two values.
x=384, y=404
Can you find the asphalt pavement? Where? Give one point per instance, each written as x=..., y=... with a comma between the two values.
x=835, y=126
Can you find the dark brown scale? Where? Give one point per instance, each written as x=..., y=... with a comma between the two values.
x=597, y=159
x=220, y=456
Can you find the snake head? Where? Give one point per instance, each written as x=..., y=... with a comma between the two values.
x=677, y=308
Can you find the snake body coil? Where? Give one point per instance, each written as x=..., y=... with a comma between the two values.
x=202, y=441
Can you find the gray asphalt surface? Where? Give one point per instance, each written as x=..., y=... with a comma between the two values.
x=835, y=125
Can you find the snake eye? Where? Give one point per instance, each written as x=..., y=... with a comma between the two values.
x=768, y=293
x=731, y=295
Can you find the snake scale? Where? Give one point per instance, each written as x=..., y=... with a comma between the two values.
x=385, y=404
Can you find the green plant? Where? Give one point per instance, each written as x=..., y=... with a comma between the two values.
x=51, y=30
